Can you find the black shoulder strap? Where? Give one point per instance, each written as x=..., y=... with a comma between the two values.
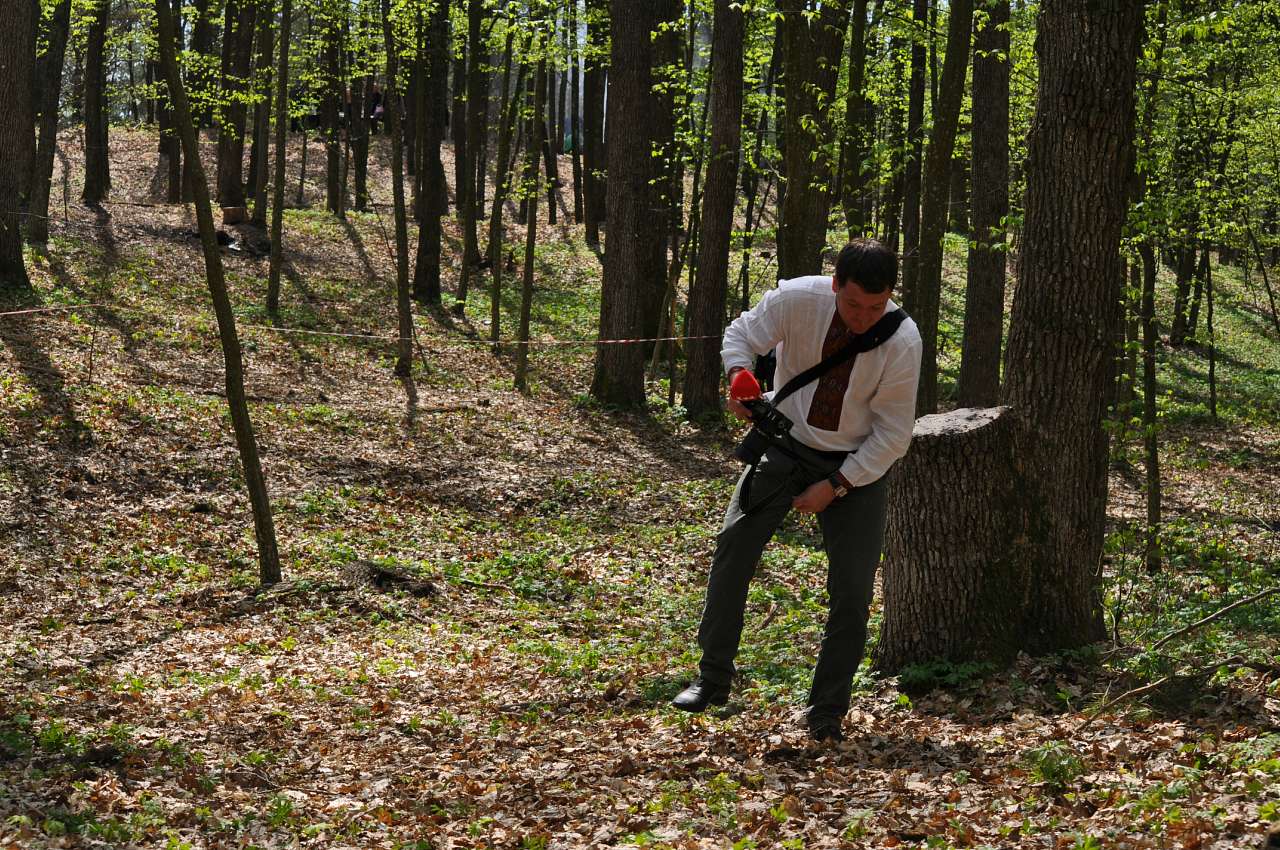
x=873, y=337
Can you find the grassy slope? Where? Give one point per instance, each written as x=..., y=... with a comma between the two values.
x=146, y=696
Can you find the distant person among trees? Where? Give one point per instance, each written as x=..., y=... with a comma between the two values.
x=376, y=109
x=853, y=417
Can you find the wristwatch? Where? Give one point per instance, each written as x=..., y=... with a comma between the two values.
x=837, y=485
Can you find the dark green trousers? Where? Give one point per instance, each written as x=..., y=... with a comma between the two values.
x=853, y=536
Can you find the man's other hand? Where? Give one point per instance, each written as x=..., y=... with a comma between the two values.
x=738, y=409
x=815, y=498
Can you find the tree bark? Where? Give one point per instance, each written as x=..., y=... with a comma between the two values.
x=858, y=127
x=260, y=157
x=706, y=310
x=392, y=108
x=534, y=131
x=237, y=58
x=264, y=527
x=432, y=198
x=282, y=127
x=575, y=112
x=97, y=170
x=890, y=218
x=503, y=179
x=936, y=189
x=49, y=73
x=468, y=188
x=595, y=64
x=914, y=165
x=1037, y=498
x=17, y=67
x=812, y=43
x=636, y=210
x=332, y=110
x=984, y=293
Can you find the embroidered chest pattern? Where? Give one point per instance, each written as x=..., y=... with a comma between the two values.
x=828, y=397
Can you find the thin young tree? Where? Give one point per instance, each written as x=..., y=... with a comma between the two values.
x=595, y=66
x=535, y=128
x=913, y=173
x=468, y=189
x=575, y=111
x=17, y=60
x=264, y=526
x=710, y=287
x=49, y=80
x=281, y=152
x=502, y=182
x=392, y=107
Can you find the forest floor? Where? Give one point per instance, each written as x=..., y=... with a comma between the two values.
x=150, y=695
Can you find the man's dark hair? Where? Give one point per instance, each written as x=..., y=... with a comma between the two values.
x=869, y=264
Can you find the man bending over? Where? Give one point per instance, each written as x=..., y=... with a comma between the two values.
x=852, y=420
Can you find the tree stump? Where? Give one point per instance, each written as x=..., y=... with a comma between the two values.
x=954, y=585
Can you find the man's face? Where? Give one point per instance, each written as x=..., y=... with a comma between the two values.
x=859, y=309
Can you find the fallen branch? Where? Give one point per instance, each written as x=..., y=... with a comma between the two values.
x=1147, y=688
x=1215, y=615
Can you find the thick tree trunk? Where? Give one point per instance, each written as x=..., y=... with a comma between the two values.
x=49, y=75
x=933, y=207
x=812, y=44
x=260, y=158
x=237, y=58
x=984, y=294
x=593, y=153
x=264, y=527
x=97, y=171
x=636, y=211
x=432, y=199
x=17, y=67
x=706, y=311
x=953, y=586
x=282, y=126
x=1037, y=499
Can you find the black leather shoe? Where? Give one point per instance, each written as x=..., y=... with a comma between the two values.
x=826, y=729
x=699, y=695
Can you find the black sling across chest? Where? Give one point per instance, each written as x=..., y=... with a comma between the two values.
x=770, y=427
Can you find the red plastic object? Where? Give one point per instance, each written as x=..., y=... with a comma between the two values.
x=744, y=386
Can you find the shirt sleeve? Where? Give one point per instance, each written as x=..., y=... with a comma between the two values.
x=757, y=331
x=893, y=418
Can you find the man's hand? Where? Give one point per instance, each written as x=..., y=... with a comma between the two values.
x=738, y=409
x=815, y=498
